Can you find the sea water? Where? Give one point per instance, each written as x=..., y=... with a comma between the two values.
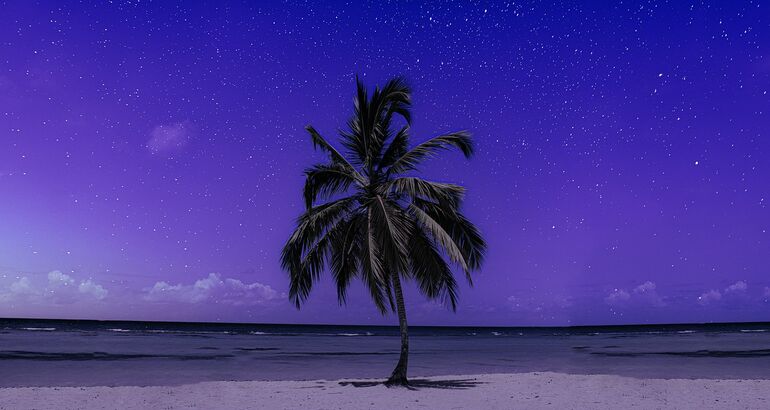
x=89, y=353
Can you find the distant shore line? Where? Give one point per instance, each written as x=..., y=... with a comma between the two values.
x=672, y=325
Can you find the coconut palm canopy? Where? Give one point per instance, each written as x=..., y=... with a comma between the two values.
x=368, y=215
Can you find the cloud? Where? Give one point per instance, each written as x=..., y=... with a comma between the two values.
x=59, y=288
x=89, y=287
x=645, y=287
x=617, y=296
x=165, y=291
x=256, y=291
x=645, y=294
x=709, y=297
x=215, y=289
x=736, y=291
x=56, y=278
x=22, y=287
x=169, y=137
x=739, y=286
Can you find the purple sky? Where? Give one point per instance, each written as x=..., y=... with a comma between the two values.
x=151, y=155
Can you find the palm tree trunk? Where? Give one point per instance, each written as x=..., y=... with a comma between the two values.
x=398, y=378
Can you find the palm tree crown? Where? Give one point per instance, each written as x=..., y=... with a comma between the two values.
x=368, y=217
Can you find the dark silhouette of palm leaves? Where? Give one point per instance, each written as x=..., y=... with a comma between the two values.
x=366, y=219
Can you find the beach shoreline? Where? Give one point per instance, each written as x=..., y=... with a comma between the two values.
x=537, y=390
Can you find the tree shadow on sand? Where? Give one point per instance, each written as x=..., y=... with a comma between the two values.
x=416, y=384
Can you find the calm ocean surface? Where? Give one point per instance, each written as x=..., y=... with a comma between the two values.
x=86, y=353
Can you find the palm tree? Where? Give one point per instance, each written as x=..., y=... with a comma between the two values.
x=368, y=217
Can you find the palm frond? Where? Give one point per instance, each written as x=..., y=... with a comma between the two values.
x=306, y=269
x=311, y=229
x=465, y=234
x=393, y=99
x=357, y=138
x=334, y=155
x=440, y=235
x=369, y=127
x=372, y=268
x=325, y=180
x=431, y=272
x=345, y=254
x=392, y=234
x=398, y=147
x=419, y=188
x=412, y=158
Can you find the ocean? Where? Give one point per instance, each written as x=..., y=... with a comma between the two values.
x=37, y=352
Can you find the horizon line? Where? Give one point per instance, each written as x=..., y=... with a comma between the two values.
x=664, y=324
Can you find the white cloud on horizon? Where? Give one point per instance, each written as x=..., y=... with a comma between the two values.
x=617, y=296
x=739, y=286
x=57, y=278
x=645, y=287
x=708, y=297
x=213, y=288
x=59, y=288
x=737, y=289
x=643, y=294
x=23, y=286
x=90, y=287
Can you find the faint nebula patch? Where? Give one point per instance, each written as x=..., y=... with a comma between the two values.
x=169, y=138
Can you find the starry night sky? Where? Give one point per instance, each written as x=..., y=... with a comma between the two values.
x=151, y=154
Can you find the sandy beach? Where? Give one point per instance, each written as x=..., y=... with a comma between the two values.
x=488, y=391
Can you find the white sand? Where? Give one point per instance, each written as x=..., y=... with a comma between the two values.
x=492, y=391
